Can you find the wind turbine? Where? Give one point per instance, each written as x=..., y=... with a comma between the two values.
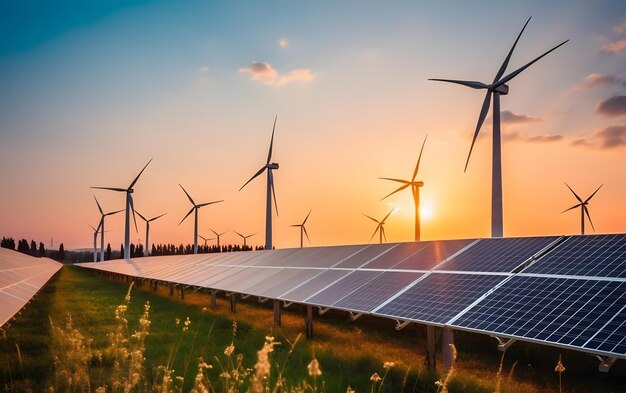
x=415, y=189
x=206, y=239
x=101, y=226
x=146, y=250
x=245, y=238
x=583, y=208
x=303, y=230
x=270, y=191
x=380, y=228
x=494, y=90
x=129, y=206
x=217, y=236
x=95, y=241
x=195, y=209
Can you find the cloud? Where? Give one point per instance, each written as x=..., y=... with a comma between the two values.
x=283, y=43
x=597, y=79
x=615, y=48
x=621, y=28
x=266, y=74
x=508, y=117
x=614, y=106
x=611, y=137
x=544, y=138
x=516, y=136
x=204, y=70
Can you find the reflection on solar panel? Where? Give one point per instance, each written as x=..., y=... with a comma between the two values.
x=436, y=252
x=341, y=288
x=281, y=282
x=21, y=277
x=592, y=255
x=397, y=254
x=497, y=255
x=376, y=291
x=573, y=312
x=439, y=297
x=311, y=287
x=369, y=253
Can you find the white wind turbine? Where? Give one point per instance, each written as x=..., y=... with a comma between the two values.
x=217, y=236
x=195, y=209
x=415, y=190
x=303, y=229
x=146, y=250
x=245, y=238
x=205, y=239
x=583, y=208
x=103, y=215
x=380, y=228
x=270, y=191
x=494, y=90
x=129, y=206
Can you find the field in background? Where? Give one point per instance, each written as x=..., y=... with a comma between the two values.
x=348, y=352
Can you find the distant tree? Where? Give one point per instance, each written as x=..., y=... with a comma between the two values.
x=33, y=248
x=107, y=253
x=8, y=242
x=61, y=256
x=22, y=246
x=132, y=250
x=121, y=251
x=42, y=250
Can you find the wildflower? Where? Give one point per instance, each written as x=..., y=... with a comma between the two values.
x=559, y=366
x=314, y=368
x=388, y=365
x=375, y=378
x=350, y=390
x=186, y=324
x=229, y=350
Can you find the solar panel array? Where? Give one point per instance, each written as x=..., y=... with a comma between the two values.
x=567, y=292
x=21, y=277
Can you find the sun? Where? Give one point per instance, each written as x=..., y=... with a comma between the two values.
x=427, y=212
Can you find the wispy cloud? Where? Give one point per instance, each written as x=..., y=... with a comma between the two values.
x=283, y=43
x=266, y=74
x=523, y=137
x=614, y=106
x=508, y=117
x=621, y=28
x=612, y=137
x=598, y=79
x=615, y=47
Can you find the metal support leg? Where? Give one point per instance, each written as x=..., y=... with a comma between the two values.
x=182, y=292
x=430, y=348
x=447, y=339
x=233, y=302
x=309, y=321
x=213, y=300
x=171, y=289
x=276, y=313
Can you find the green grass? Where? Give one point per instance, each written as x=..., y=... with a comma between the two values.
x=348, y=352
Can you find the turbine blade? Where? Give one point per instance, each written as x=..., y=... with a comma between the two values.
x=115, y=212
x=99, y=225
x=481, y=118
x=187, y=215
x=295, y=225
x=91, y=226
x=214, y=232
x=252, y=178
x=250, y=235
x=508, y=57
x=371, y=218
x=137, y=178
x=142, y=217
x=274, y=195
x=589, y=217
x=472, y=84
x=573, y=207
x=221, y=233
x=110, y=189
x=239, y=234
x=374, y=234
x=396, y=180
x=382, y=229
x=208, y=203
x=397, y=190
x=307, y=217
x=155, y=218
x=576, y=195
x=519, y=70
x=269, y=155
x=417, y=167
x=306, y=234
x=387, y=216
x=132, y=207
x=202, y=237
x=188, y=196
x=98, y=203
x=594, y=193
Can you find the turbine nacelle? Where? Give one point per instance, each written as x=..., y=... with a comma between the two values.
x=418, y=184
x=273, y=165
x=502, y=89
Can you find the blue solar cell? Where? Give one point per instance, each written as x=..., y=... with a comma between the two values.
x=330, y=295
x=308, y=288
x=590, y=255
x=574, y=312
x=497, y=255
x=376, y=291
x=439, y=297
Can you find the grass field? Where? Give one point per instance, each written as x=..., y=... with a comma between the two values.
x=348, y=352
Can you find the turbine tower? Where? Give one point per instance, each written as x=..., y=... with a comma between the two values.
x=103, y=215
x=146, y=250
x=129, y=206
x=217, y=236
x=271, y=192
x=303, y=230
x=415, y=189
x=583, y=208
x=494, y=90
x=380, y=228
x=245, y=238
x=95, y=241
x=195, y=209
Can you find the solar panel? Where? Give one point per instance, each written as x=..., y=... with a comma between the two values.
x=573, y=312
x=397, y=254
x=590, y=255
x=438, y=297
x=305, y=257
x=428, y=257
x=376, y=291
x=369, y=253
x=497, y=255
x=330, y=295
x=304, y=290
x=281, y=282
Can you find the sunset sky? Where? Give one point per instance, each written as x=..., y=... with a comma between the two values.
x=90, y=91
